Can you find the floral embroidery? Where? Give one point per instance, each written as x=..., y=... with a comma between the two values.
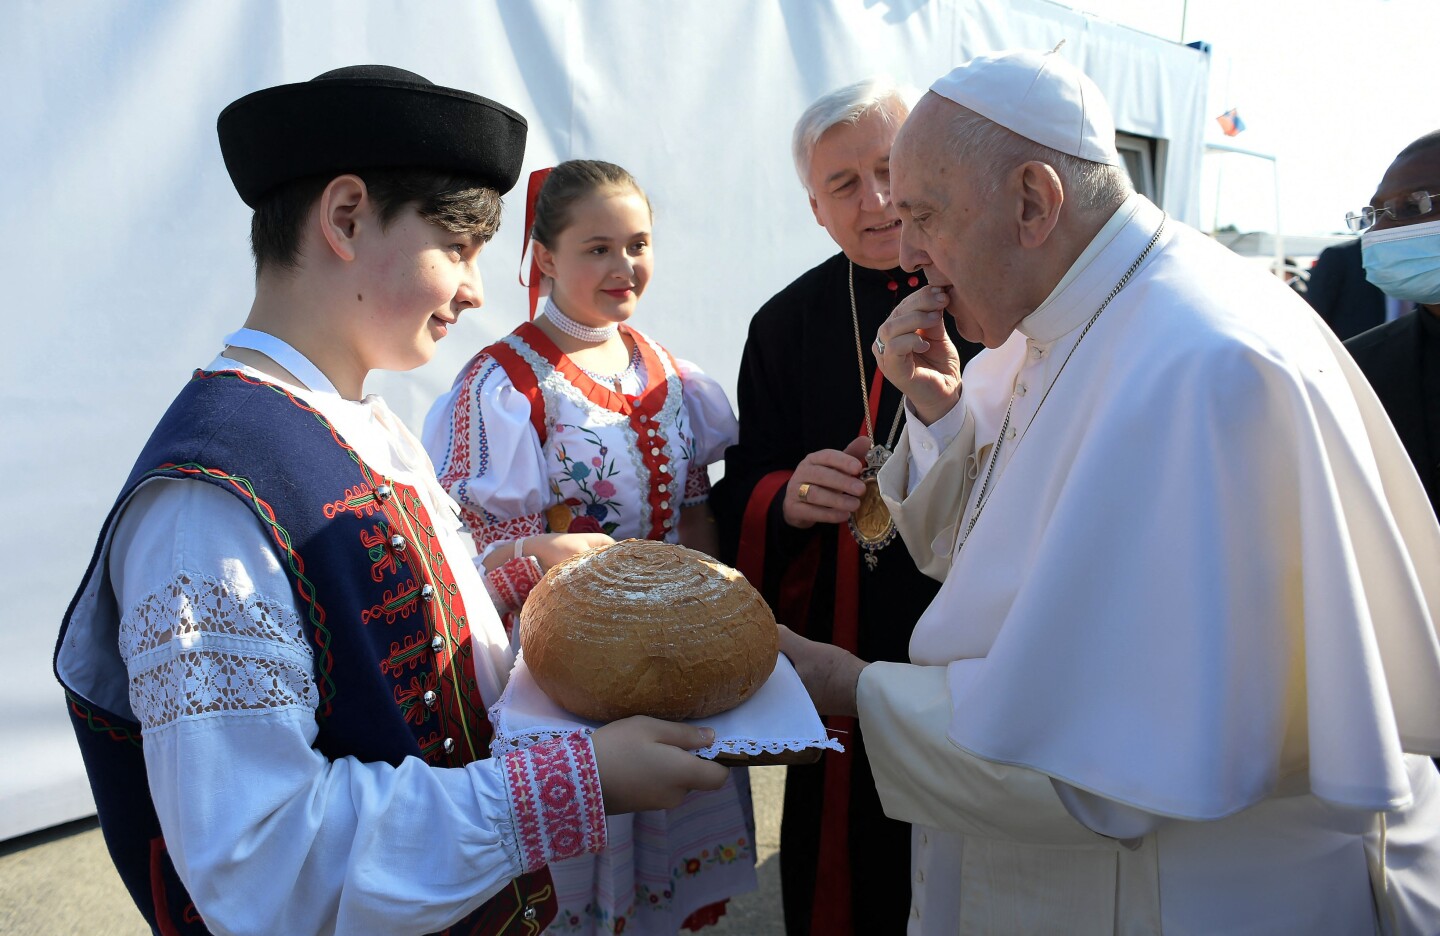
x=721, y=854
x=594, y=494
x=650, y=899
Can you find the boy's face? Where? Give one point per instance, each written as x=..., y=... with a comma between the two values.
x=418, y=278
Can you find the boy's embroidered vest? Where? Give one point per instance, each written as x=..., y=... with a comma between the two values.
x=382, y=613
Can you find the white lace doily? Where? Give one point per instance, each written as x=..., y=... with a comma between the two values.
x=778, y=718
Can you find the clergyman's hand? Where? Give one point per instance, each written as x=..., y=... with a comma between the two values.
x=830, y=674
x=918, y=356
x=826, y=486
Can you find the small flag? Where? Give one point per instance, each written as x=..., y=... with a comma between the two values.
x=1230, y=122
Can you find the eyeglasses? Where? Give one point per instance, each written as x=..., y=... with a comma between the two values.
x=1412, y=206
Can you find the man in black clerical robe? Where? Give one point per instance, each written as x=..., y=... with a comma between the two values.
x=791, y=482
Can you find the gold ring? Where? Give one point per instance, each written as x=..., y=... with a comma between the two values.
x=803, y=491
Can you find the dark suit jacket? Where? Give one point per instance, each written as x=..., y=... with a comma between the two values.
x=1339, y=291
x=1392, y=357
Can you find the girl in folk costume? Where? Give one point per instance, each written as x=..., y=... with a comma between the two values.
x=572, y=430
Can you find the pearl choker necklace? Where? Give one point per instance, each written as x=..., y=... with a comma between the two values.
x=574, y=329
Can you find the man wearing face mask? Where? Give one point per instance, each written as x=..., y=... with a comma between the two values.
x=1400, y=241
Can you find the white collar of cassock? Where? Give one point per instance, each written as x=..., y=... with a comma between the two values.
x=1067, y=308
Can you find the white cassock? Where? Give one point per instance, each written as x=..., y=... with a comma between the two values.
x=1173, y=673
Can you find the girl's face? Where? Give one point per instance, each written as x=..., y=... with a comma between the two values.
x=602, y=260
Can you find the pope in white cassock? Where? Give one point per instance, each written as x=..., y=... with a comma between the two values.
x=1184, y=655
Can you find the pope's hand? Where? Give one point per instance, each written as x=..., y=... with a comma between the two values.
x=918, y=356
x=830, y=674
x=826, y=486
x=645, y=763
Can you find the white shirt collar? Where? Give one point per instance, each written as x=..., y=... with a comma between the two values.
x=284, y=354
x=1094, y=273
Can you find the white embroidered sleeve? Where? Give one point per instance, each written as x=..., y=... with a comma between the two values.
x=712, y=419
x=488, y=456
x=268, y=834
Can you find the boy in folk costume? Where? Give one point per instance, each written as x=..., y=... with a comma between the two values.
x=281, y=600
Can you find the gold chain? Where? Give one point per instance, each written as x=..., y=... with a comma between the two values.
x=864, y=384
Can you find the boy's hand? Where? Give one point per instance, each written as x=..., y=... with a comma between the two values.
x=645, y=763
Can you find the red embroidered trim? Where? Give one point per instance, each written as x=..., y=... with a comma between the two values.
x=522, y=375
x=459, y=468
x=555, y=798
x=697, y=484
x=511, y=583
x=433, y=594
x=487, y=533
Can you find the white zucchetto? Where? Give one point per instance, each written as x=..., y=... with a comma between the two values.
x=1040, y=96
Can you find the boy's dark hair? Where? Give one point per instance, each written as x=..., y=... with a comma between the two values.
x=457, y=203
x=566, y=184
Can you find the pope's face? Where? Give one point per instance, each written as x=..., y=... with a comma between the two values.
x=956, y=229
x=850, y=190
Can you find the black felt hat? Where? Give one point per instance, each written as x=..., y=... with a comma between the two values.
x=367, y=117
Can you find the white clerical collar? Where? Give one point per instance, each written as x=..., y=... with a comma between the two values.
x=284, y=354
x=1068, y=306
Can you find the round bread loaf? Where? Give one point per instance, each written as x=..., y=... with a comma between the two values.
x=642, y=627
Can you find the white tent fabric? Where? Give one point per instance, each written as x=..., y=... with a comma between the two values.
x=123, y=248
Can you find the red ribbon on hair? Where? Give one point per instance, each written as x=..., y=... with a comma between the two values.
x=532, y=193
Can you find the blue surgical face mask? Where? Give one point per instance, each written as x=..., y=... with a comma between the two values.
x=1404, y=261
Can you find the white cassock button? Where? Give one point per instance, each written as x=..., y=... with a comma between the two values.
x=924, y=838
x=664, y=469
x=1009, y=436
x=665, y=505
x=663, y=488
x=920, y=876
x=644, y=418
x=654, y=451
x=927, y=446
x=915, y=912
x=650, y=433
x=1020, y=389
x=668, y=524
